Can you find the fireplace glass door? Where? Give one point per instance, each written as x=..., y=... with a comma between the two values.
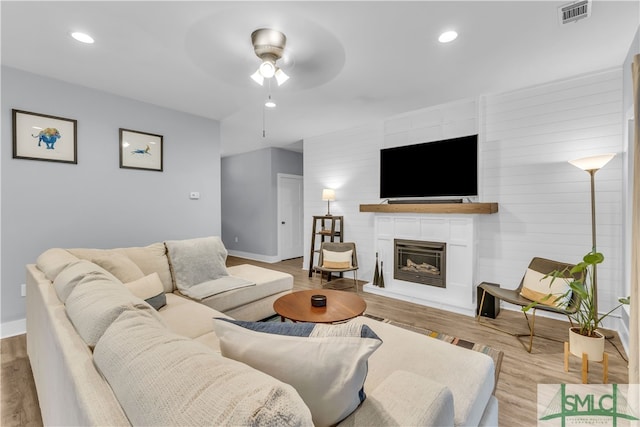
x=420, y=262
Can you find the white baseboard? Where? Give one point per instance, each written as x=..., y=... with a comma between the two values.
x=623, y=327
x=467, y=311
x=256, y=257
x=11, y=329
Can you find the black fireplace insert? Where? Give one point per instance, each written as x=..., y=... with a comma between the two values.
x=420, y=262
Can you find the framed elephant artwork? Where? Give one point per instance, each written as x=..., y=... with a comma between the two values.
x=44, y=137
x=140, y=150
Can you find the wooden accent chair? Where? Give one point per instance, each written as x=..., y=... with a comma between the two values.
x=539, y=265
x=331, y=261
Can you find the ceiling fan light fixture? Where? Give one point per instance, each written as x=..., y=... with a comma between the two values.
x=267, y=69
x=270, y=103
x=281, y=76
x=268, y=45
x=257, y=77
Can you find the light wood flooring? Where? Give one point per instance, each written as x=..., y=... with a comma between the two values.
x=517, y=384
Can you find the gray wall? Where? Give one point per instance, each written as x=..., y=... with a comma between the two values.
x=249, y=198
x=95, y=203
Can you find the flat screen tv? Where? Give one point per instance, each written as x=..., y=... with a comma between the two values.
x=431, y=169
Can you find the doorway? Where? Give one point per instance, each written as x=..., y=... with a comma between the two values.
x=290, y=216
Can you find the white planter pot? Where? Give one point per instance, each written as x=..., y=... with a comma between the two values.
x=592, y=346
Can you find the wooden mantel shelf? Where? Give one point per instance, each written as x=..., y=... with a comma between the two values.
x=447, y=208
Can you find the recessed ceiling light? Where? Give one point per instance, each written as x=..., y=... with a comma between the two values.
x=447, y=36
x=82, y=37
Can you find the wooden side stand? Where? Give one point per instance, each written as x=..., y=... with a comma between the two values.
x=585, y=365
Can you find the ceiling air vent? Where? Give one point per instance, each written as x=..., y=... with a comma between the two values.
x=574, y=11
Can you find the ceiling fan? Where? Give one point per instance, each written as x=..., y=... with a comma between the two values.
x=269, y=46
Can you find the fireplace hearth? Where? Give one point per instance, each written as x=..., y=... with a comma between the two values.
x=420, y=262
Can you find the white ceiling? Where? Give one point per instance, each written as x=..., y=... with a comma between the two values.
x=350, y=62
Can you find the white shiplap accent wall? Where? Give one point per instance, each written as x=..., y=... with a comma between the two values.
x=349, y=161
x=528, y=136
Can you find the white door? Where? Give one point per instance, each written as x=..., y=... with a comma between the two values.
x=290, y=212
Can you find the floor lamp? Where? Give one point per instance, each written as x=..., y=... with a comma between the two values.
x=592, y=165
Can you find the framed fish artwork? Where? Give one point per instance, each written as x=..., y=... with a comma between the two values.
x=140, y=150
x=44, y=137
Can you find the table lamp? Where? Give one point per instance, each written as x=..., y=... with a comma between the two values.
x=329, y=195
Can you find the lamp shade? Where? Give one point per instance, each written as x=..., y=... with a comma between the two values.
x=592, y=162
x=328, y=194
x=281, y=76
x=257, y=77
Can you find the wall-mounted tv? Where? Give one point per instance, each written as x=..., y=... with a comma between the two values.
x=431, y=169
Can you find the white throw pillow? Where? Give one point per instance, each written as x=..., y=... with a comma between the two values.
x=326, y=364
x=150, y=289
x=195, y=261
x=536, y=287
x=331, y=259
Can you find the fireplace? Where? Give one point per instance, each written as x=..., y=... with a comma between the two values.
x=421, y=262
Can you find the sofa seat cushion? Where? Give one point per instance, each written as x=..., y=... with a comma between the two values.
x=405, y=399
x=267, y=282
x=150, y=259
x=326, y=364
x=469, y=375
x=188, y=318
x=173, y=380
x=96, y=302
x=215, y=287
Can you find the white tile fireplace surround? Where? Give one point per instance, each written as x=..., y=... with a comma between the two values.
x=459, y=234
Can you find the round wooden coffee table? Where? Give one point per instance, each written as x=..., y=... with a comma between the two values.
x=341, y=306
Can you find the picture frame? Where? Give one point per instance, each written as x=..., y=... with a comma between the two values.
x=44, y=137
x=141, y=150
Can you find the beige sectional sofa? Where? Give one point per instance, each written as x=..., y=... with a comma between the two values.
x=103, y=355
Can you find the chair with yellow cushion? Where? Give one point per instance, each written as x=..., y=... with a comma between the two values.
x=337, y=257
x=534, y=286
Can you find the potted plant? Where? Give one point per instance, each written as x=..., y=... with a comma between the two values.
x=584, y=336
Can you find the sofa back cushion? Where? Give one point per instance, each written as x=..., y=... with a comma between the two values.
x=52, y=261
x=120, y=266
x=173, y=380
x=149, y=259
x=96, y=302
x=68, y=279
x=149, y=288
